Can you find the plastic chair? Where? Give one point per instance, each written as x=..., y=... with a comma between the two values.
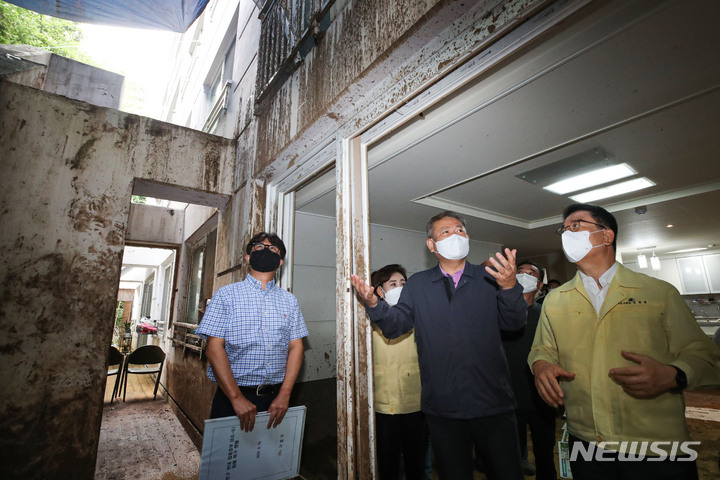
x=148, y=356
x=115, y=358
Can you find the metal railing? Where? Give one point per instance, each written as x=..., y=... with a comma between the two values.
x=289, y=30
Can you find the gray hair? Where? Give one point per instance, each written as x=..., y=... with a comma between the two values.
x=440, y=216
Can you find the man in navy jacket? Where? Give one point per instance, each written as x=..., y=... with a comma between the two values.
x=458, y=310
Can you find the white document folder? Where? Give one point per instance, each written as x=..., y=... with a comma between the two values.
x=229, y=453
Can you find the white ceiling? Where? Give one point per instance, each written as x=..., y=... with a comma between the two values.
x=139, y=263
x=639, y=79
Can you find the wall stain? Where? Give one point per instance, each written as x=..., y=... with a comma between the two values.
x=212, y=167
x=92, y=213
x=84, y=152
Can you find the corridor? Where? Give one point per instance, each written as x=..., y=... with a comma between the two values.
x=142, y=438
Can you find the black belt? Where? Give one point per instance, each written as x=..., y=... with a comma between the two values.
x=260, y=390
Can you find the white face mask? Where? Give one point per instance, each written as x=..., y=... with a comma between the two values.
x=528, y=282
x=577, y=244
x=392, y=296
x=454, y=247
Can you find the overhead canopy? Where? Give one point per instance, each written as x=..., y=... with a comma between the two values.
x=175, y=15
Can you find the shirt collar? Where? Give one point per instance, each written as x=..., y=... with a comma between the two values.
x=455, y=276
x=604, y=279
x=255, y=283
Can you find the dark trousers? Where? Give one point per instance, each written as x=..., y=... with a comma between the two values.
x=397, y=435
x=222, y=407
x=494, y=437
x=542, y=433
x=636, y=470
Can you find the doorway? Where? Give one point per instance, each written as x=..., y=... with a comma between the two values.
x=146, y=285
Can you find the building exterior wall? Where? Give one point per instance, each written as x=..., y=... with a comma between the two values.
x=47, y=71
x=77, y=80
x=68, y=171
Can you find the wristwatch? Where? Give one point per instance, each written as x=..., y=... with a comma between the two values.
x=680, y=380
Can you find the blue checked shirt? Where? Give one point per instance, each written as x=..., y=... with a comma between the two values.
x=257, y=326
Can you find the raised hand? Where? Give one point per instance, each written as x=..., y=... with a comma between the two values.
x=365, y=293
x=505, y=269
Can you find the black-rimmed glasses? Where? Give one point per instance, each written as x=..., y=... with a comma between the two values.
x=575, y=226
x=257, y=246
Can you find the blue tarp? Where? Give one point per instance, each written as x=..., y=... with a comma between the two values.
x=175, y=15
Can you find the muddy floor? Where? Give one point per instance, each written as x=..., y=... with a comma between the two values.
x=142, y=438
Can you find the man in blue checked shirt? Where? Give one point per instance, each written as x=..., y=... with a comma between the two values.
x=254, y=331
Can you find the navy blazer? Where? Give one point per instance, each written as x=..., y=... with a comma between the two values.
x=463, y=370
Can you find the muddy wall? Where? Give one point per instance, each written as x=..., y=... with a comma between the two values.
x=68, y=170
x=373, y=58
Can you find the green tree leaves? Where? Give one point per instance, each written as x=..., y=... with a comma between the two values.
x=24, y=27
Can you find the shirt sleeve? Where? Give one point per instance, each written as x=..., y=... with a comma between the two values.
x=395, y=321
x=544, y=345
x=512, y=308
x=697, y=355
x=216, y=319
x=298, y=329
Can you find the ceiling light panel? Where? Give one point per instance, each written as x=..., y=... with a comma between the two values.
x=574, y=165
x=613, y=190
x=591, y=179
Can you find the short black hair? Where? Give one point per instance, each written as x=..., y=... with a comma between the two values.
x=271, y=237
x=440, y=216
x=601, y=216
x=530, y=262
x=381, y=276
x=554, y=280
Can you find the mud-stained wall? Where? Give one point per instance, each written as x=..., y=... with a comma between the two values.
x=373, y=58
x=362, y=33
x=68, y=169
x=151, y=224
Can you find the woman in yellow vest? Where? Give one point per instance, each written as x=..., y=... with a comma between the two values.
x=400, y=425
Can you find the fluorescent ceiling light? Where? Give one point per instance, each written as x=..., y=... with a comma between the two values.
x=613, y=190
x=655, y=262
x=590, y=179
x=642, y=261
x=689, y=250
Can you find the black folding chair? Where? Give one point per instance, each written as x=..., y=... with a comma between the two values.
x=150, y=359
x=115, y=367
